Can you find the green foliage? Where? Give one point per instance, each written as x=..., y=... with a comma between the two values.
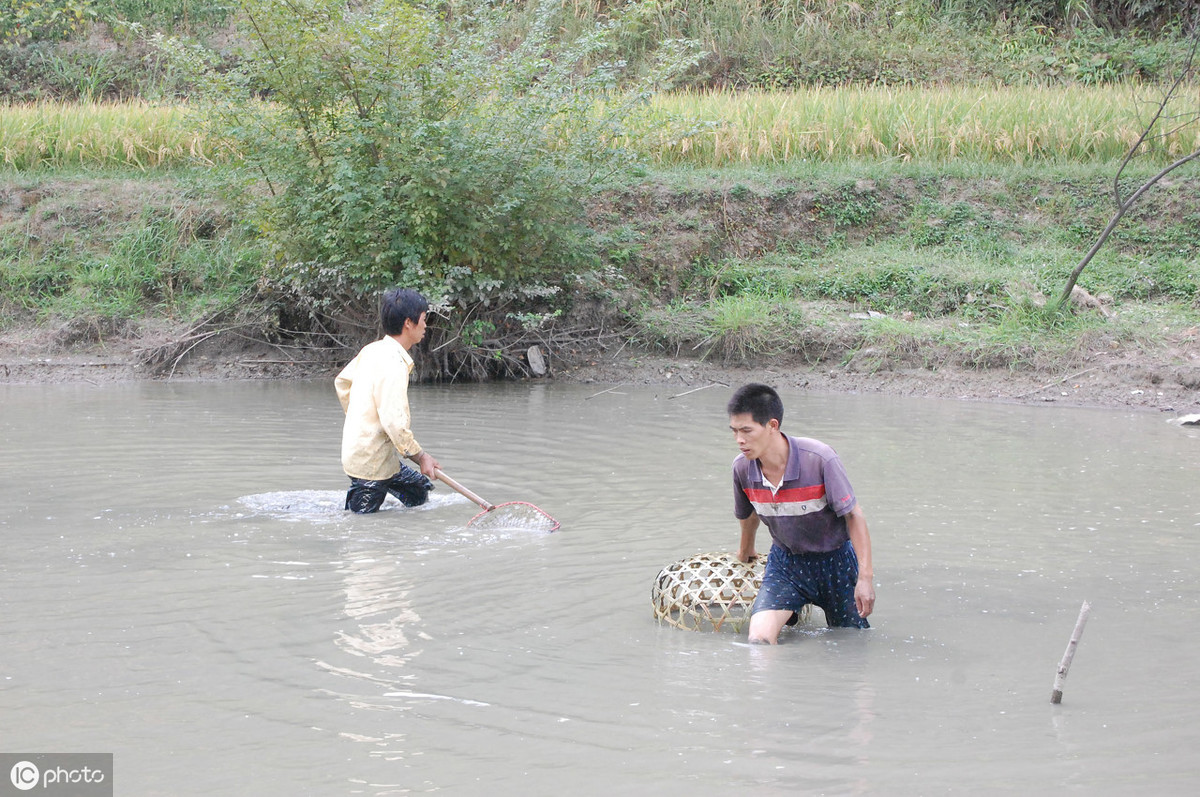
x=934, y=224
x=403, y=146
x=780, y=44
x=473, y=333
x=168, y=14
x=43, y=20
x=791, y=43
x=1024, y=316
x=846, y=206
x=1132, y=278
x=25, y=21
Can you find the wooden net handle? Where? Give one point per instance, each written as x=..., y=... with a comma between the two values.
x=458, y=488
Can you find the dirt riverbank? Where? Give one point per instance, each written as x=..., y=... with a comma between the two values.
x=1167, y=380
x=659, y=232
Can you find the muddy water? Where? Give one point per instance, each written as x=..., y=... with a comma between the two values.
x=179, y=587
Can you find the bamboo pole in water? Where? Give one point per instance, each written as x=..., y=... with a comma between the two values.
x=1065, y=664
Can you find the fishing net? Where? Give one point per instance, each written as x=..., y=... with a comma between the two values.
x=513, y=515
x=708, y=592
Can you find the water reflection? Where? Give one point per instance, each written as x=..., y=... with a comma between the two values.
x=374, y=591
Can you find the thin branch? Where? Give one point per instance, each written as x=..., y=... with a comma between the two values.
x=602, y=392
x=1055, y=382
x=1168, y=95
x=1122, y=209
x=697, y=390
x=184, y=353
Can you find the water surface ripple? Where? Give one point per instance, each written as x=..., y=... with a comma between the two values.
x=180, y=587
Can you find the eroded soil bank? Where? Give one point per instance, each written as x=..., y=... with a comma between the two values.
x=657, y=239
x=1166, y=381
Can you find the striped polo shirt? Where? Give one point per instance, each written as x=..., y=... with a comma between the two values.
x=805, y=513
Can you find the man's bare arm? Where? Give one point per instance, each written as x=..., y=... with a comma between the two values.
x=860, y=538
x=746, y=552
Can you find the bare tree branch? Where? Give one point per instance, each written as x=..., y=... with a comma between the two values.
x=1185, y=76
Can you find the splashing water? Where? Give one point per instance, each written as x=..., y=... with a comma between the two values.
x=317, y=506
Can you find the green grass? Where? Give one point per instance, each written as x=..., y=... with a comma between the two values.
x=731, y=328
x=158, y=253
x=885, y=264
x=918, y=265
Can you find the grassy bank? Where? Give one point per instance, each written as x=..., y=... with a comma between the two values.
x=879, y=265
x=118, y=245
x=916, y=265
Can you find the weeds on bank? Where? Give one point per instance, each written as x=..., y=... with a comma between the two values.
x=171, y=261
x=951, y=283
x=753, y=330
x=868, y=278
x=736, y=328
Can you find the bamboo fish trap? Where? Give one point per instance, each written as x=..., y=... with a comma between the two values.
x=707, y=592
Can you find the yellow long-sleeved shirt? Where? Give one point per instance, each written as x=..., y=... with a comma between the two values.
x=373, y=390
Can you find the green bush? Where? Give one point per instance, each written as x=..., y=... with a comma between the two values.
x=168, y=14
x=43, y=20
x=403, y=146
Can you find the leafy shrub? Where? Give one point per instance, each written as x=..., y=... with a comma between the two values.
x=403, y=146
x=170, y=14
x=42, y=20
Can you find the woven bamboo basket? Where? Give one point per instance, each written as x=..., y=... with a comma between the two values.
x=707, y=592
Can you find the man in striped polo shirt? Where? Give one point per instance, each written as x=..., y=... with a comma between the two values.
x=821, y=549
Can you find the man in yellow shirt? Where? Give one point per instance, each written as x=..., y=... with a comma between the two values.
x=373, y=390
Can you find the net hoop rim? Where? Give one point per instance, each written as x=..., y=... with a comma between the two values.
x=556, y=525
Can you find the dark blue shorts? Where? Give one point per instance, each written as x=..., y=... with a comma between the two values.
x=365, y=496
x=824, y=579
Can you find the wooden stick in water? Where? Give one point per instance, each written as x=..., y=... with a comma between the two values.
x=1065, y=664
x=602, y=392
x=458, y=488
x=697, y=389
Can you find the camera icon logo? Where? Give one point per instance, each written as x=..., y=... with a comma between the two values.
x=24, y=775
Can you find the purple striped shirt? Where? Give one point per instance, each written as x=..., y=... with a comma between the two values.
x=805, y=514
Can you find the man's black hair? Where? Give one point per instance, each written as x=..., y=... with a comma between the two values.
x=760, y=401
x=400, y=305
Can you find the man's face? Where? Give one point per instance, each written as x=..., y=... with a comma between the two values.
x=752, y=437
x=417, y=330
